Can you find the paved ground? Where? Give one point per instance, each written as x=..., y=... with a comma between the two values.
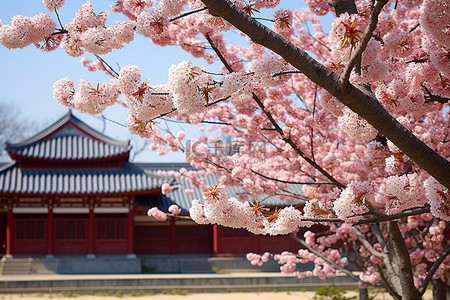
x=203, y=296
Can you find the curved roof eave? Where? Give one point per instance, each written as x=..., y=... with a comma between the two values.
x=68, y=118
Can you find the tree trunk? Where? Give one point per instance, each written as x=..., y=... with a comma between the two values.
x=363, y=293
x=400, y=261
x=439, y=289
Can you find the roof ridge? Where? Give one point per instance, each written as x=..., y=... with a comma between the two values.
x=61, y=123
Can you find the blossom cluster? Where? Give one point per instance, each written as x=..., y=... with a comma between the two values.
x=25, y=31
x=89, y=98
x=52, y=5
x=230, y=212
x=144, y=101
x=190, y=86
x=404, y=192
x=157, y=214
x=353, y=201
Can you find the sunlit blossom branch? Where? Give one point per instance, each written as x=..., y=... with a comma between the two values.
x=322, y=220
x=332, y=263
x=164, y=114
x=212, y=73
x=364, y=41
x=198, y=46
x=366, y=243
x=188, y=13
x=274, y=123
x=433, y=269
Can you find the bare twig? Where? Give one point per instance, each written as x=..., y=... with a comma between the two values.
x=332, y=263
x=294, y=146
x=59, y=20
x=188, y=13
x=290, y=182
x=363, y=42
x=108, y=68
x=219, y=54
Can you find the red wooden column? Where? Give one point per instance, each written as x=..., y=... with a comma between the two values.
x=173, y=236
x=50, y=231
x=215, y=239
x=9, y=231
x=130, y=241
x=91, y=230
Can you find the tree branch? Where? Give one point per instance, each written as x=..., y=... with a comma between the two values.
x=433, y=269
x=361, y=102
x=332, y=263
x=400, y=259
x=385, y=218
x=188, y=13
x=363, y=42
x=275, y=124
x=366, y=243
x=294, y=146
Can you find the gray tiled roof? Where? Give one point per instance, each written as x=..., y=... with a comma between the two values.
x=184, y=201
x=68, y=139
x=129, y=179
x=69, y=147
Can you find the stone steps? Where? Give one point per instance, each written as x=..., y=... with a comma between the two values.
x=15, y=266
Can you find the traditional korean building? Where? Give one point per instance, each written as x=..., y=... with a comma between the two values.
x=72, y=191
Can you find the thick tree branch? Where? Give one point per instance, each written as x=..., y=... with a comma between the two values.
x=356, y=56
x=362, y=102
x=367, y=244
x=275, y=124
x=433, y=269
x=342, y=6
x=401, y=262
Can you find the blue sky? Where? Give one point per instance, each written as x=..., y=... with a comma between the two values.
x=27, y=75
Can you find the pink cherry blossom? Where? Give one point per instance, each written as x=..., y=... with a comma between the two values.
x=157, y=214
x=174, y=209
x=51, y=5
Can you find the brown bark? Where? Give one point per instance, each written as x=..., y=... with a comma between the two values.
x=439, y=289
x=363, y=294
x=362, y=102
x=342, y=6
x=400, y=260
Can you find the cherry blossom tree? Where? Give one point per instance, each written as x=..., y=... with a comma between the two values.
x=358, y=116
